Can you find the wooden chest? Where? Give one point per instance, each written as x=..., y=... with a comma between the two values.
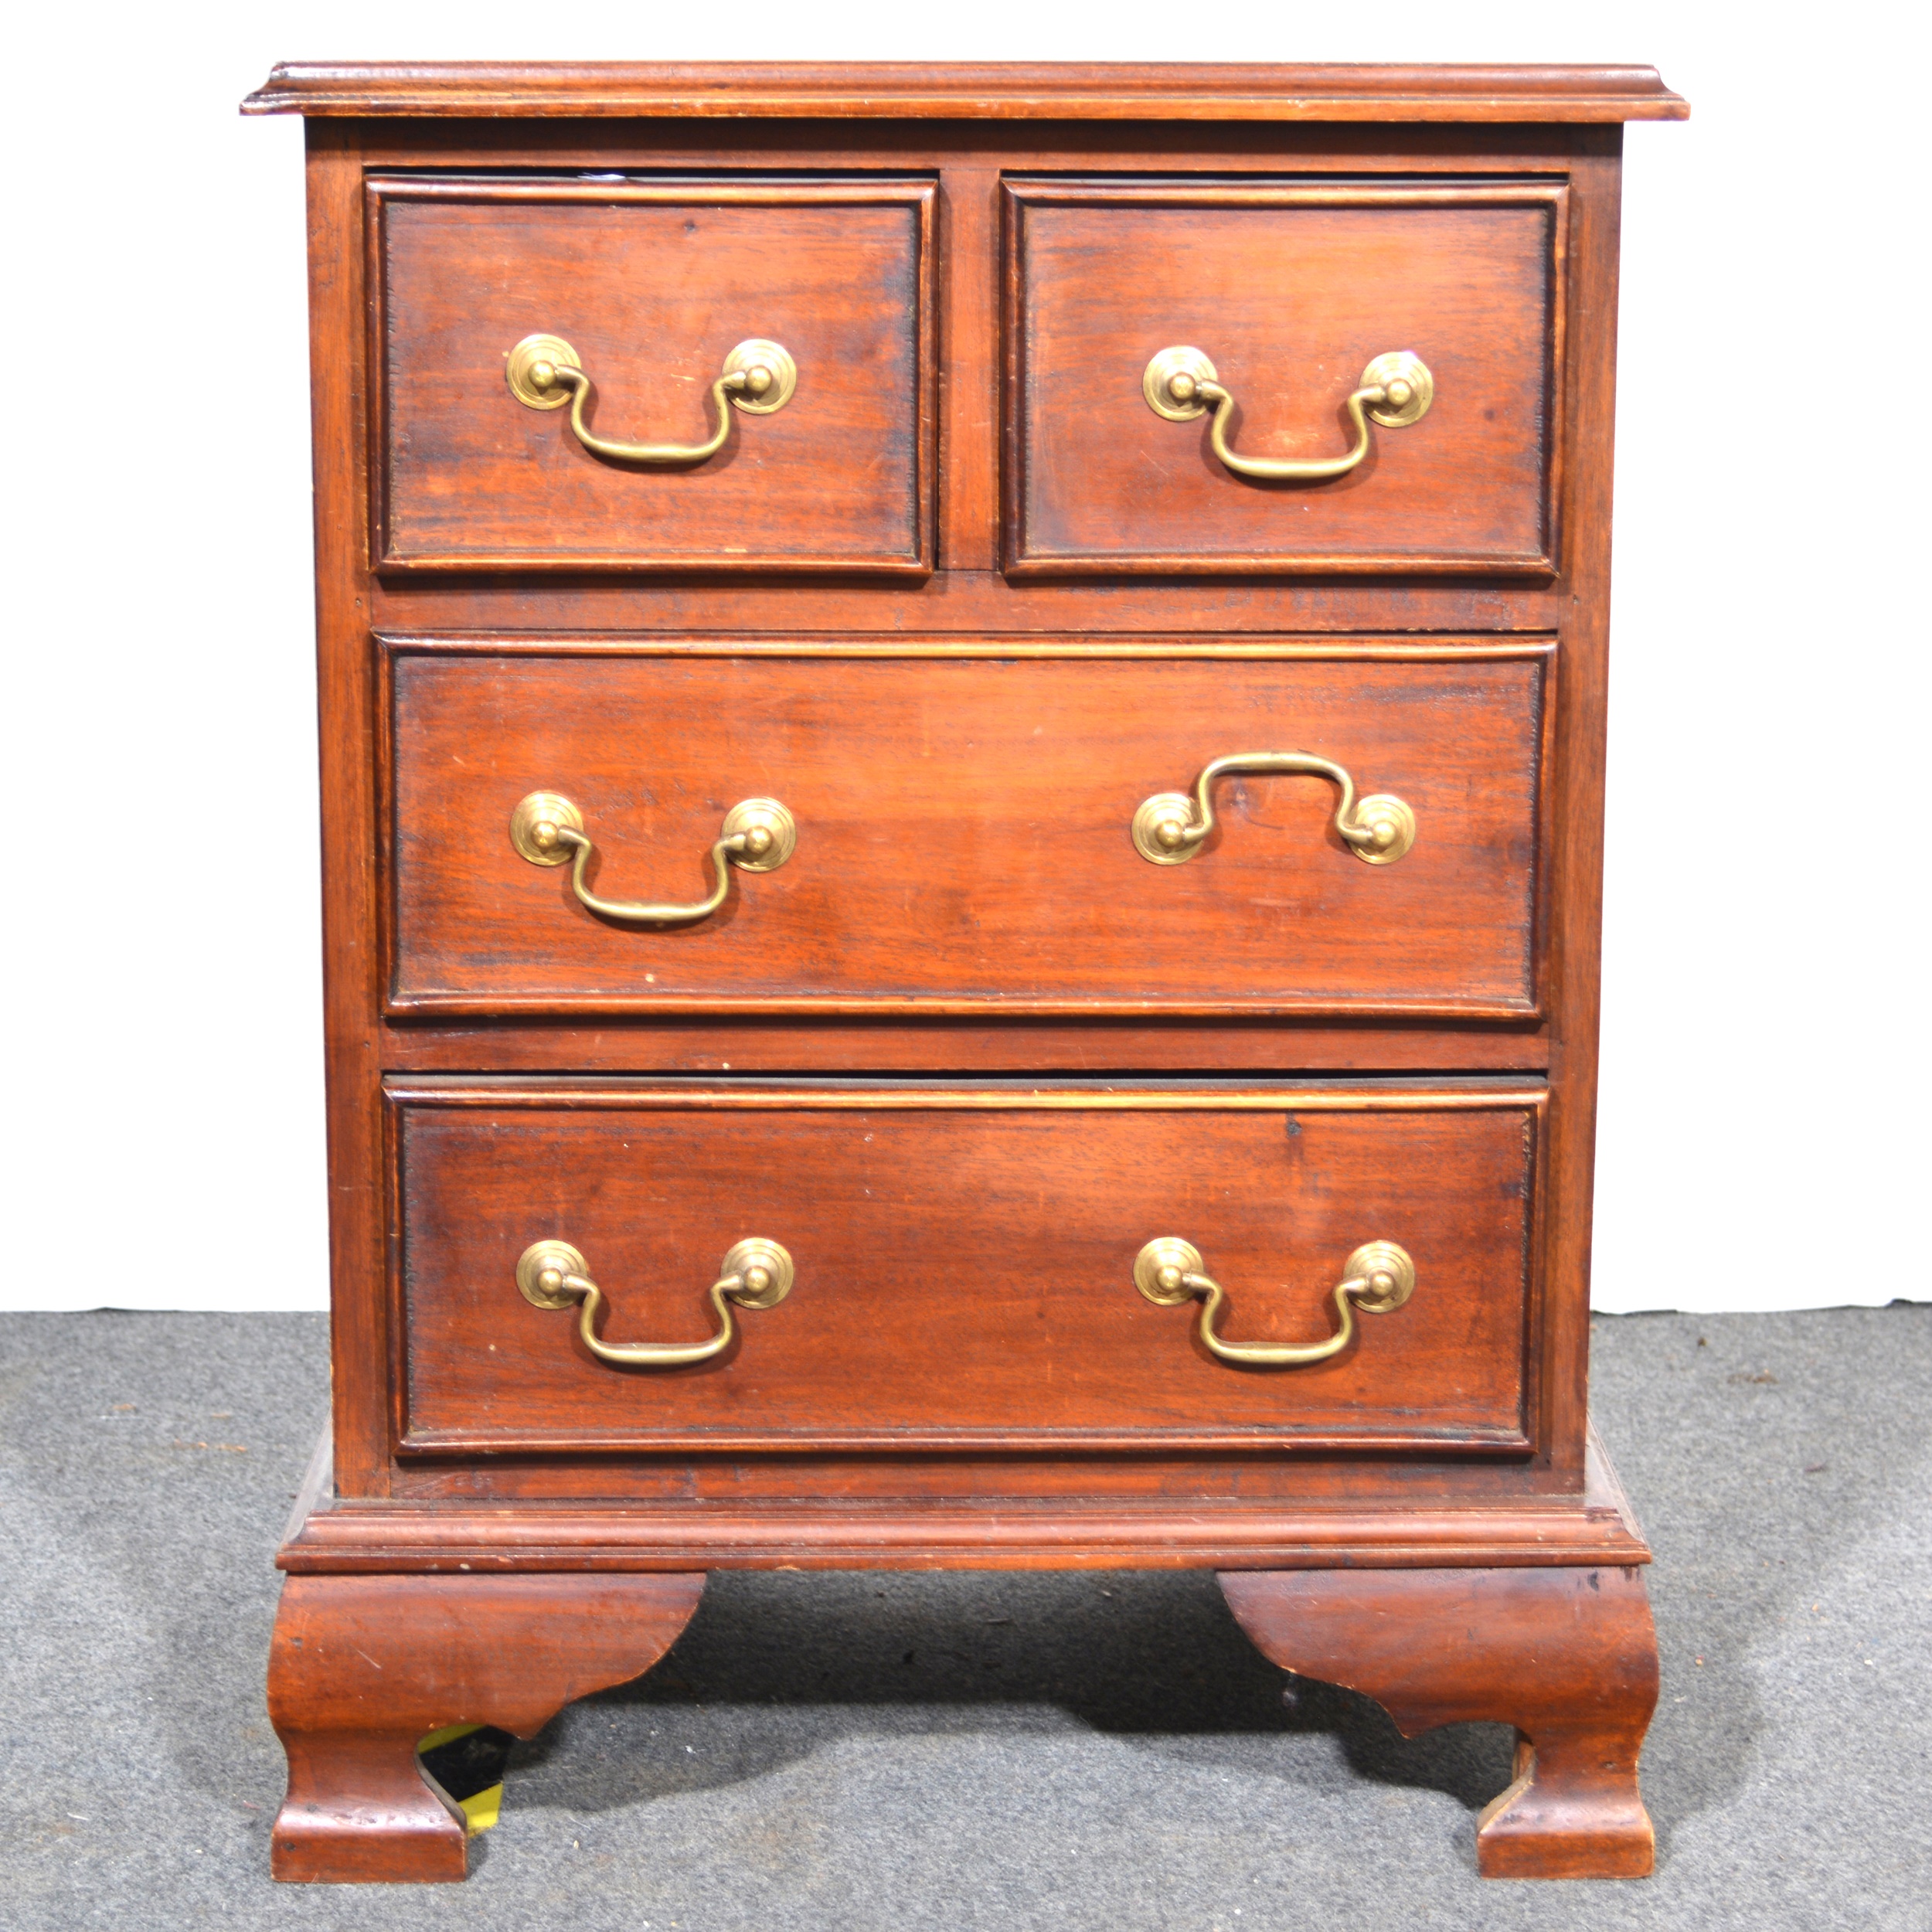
x=962, y=727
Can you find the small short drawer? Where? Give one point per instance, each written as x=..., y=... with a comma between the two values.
x=1289, y=298
x=978, y=835
x=555, y=355
x=964, y=1268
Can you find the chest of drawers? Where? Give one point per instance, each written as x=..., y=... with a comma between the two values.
x=962, y=732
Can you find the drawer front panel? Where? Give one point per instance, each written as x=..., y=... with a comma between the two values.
x=964, y=1266
x=652, y=284
x=964, y=833
x=1292, y=290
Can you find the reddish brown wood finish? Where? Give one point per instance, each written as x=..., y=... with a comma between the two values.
x=968, y=599
x=793, y=1044
x=755, y=1513
x=963, y=833
x=931, y=1485
x=938, y=147
x=653, y=284
x=970, y=604
x=1000, y=91
x=1290, y=288
x=1569, y=1656
x=361, y=1668
x=1573, y=842
x=965, y=1267
x=1000, y=1533
x=359, y=1331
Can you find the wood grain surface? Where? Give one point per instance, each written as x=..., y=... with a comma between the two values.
x=790, y=1043
x=1569, y=1656
x=653, y=284
x=363, y=1668
x=963, y=834
x=967, y=162
x=352, y=965
x=1001, y=1527
x=1290, y=288
x=1000, y=91
x=961, y=605
x=964, y=1266
x=969, y=601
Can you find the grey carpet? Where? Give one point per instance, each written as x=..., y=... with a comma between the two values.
x=980, y=1750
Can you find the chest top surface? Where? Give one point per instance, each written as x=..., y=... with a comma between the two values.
x=998, y=91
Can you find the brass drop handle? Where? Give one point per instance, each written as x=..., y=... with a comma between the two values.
x=544, y=372
x=754, y=1274
x=759, y=835
x=1378, y=1278
x=1395, y=390
x=1170, y=828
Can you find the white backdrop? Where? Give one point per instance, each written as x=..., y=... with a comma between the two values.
x=1763, y=1046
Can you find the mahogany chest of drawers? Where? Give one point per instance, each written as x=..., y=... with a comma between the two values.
x=962, y=742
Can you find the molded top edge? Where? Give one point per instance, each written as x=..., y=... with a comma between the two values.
x=1067, y=91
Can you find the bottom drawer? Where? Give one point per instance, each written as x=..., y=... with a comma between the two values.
x=964, y=1266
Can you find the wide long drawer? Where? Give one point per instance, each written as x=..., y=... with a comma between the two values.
x=976, y=834
x=603, y=1267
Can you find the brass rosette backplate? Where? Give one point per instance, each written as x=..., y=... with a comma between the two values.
x=767, y=1255
x=765, y=815
x=1166, y=808
x=1157, y=378
x=529, y=354
x=1168, y=1251
x=542, y=1257
x=1385, y=806
x=1383, y=1258
x=549, y=808
x=1399, y=366
x=776, y=361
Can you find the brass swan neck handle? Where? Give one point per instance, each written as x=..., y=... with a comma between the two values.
x=544, y=372
x=1170, y=828
x=1395, y=390
x=1378, y=1277
x=756, y=1274
x=759, y=835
